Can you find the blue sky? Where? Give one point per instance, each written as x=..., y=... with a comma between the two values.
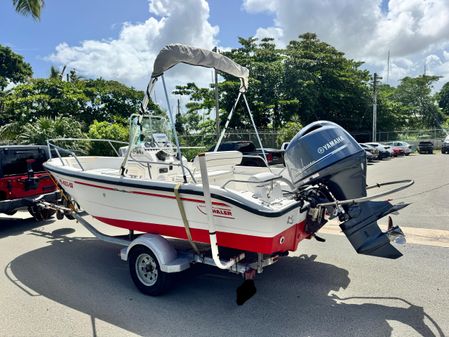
x=72, y=22
x=119, y=39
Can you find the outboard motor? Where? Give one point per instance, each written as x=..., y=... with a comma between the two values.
x=327, y=164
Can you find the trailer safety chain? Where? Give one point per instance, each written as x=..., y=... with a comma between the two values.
x=184, y=218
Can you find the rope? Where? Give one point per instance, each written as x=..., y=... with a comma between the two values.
x=184, y=218
x=61, y=191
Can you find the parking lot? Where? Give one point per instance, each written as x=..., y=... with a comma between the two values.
x=58, y=280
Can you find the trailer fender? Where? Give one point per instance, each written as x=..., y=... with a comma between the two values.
x=165, y=253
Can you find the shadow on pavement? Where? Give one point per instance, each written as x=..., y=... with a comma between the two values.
x=10, y=226
x=294, y=297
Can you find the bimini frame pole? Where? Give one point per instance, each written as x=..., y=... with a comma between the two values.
x=255, y=128
x=227, y=122
x=172, y=122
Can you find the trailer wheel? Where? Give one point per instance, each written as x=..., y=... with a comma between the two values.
x=146, y=272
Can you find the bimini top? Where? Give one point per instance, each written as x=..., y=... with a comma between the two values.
x=173, y=54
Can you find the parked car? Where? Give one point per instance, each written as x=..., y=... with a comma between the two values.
x=389, y=149
x=445, y=145
x=374, y=152
x=399, y=145
x=425, y=146
x=252, y=155
x=23, y=180
x=383, y=151
x=369, y=156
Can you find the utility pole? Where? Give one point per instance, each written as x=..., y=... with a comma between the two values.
x=217, y=111
x=375, y=83
x=388, y=67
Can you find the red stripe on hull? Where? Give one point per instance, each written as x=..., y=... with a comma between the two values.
x=258, y=244
x=151, y=194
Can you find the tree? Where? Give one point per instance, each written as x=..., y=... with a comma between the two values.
x=44, y=128
x=84, y=100
x=45, y=97
x=326, y=84
x=105, y=130
x=13, y=69
x=265, y=95
x=390, y=116
x=443, y=98
x=179, y=123
x=418, y=106
x=55, y=74
x=29, y=7
x=288, y=131
x=109, y=99
x=202, y=100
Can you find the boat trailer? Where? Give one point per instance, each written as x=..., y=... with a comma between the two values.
x=153, y=259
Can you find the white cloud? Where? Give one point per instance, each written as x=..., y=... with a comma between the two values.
x=411, y=29
x=129, y=57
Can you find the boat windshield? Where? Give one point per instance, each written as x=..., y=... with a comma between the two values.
x=153, y=131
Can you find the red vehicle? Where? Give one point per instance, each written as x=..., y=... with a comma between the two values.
x=24, y=182
x=397, y=151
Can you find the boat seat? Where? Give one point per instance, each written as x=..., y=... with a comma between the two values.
x=221, y=161
x=220, y=166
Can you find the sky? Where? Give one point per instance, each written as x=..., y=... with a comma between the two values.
x=119, y=39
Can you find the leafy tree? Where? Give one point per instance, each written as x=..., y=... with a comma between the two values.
x=109, y=99
x=106, y=130
x=443, y=98
x=29, y=7
x=288, y=131
x=202, y=100
x=13, y=69
x=44, y=128
x=265, y=95
x=44, y=97
x=325, y=84
x=416, y=102
x=179, y=123
x=390, y=116
x=84, y=100
x=55, y=74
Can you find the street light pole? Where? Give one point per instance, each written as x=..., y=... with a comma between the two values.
x=375, y=83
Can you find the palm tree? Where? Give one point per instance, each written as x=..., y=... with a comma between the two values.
x=37, y=132
x=29, y=7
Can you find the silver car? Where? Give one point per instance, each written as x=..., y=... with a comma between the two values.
x=384, y=150
x=404, y=146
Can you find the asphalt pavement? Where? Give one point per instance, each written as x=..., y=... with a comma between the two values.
x=59, y=281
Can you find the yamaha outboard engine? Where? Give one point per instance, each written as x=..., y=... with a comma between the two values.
x=327, y=164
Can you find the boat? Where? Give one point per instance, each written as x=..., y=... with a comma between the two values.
x=213, y=200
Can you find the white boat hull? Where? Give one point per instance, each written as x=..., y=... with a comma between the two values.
x=152, y=207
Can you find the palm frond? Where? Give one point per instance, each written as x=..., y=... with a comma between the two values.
x=29, y=7
x=9, y=132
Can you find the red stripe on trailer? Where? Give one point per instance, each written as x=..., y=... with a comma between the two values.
x=285, y=241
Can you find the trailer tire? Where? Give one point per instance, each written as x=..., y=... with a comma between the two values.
x=146, y=272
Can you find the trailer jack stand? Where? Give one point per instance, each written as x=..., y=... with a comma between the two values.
x=248, y=288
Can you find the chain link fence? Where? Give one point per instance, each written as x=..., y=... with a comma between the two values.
x=269, y=137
